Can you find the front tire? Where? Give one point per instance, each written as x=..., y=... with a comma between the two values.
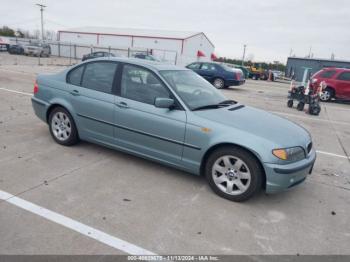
x=62, y=127
x=327, y=94
x=234, y=173
x=219, y=83
x=300, y=106
x=290, y=103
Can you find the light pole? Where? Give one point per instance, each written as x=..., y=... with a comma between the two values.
x=42, y=20
x=244, y=46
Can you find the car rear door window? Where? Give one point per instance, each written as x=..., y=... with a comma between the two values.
x=74, y=76
x=328, y=74
x=99, y=76
x=345, y=76
x=207, y=66
x=142, y=85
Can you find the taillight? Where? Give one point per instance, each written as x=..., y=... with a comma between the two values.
x=238, y=76
x=36, y=88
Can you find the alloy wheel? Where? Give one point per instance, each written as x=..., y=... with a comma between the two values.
x=61, y=126
x=325, y=95
x=218, y=83
x=231, y=175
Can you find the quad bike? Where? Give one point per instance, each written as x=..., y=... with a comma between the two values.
x=304, y=96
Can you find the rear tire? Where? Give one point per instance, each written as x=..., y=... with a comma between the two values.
x=314, y=110
x=219, y=83
x=234, y=173
x=62, y=127
x=290, y=103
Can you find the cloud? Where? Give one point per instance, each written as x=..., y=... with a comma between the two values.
x=269, y=28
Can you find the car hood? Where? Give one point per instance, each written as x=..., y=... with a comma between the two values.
x=260, y=123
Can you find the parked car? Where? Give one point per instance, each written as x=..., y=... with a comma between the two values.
x=4, y=43
x=97, y=55
x=3, y=47
x=37, y=49
x=337, y=80
x=147, y=57
x=221, y=76
x=16, y=49
x=171, y=115
x=277, y=74
x=243, y=69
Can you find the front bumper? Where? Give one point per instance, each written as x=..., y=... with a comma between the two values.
x=283, y=177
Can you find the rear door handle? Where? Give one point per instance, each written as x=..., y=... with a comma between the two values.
x=122, y=105
x=75, y=93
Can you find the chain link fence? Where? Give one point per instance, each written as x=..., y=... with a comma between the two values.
x=74, y=52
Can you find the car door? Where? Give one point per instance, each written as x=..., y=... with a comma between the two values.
x=343, y=85
x=140, y=126
x=91, y=88
x=208, y=71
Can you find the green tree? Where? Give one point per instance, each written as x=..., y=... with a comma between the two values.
x=6, y=31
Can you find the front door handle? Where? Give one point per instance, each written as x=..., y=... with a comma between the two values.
x=75, y=93
x=122, y=105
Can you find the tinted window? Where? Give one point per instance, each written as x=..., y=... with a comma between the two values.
x=141, y=85
x=345, y=76
x=206, y=66
x=194, y=66
x=74, y=76
x=99, y=76
x=328, y=74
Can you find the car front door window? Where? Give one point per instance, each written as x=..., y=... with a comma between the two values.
x=142, y=85
x=142, y=127
x=345, y=76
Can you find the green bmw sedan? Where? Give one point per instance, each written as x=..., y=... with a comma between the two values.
x=171, y=115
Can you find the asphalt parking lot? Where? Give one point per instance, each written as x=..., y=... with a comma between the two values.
x=118, y=203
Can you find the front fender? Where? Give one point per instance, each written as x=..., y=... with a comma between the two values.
x=207, y=136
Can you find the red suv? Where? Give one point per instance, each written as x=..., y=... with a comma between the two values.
x=337, y=80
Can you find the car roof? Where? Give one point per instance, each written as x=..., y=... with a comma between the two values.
x=154, y=65
x=336, y=68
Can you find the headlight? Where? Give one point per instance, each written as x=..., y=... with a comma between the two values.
x=314, y=80
x=290, y=154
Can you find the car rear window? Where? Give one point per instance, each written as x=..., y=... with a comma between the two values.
x=99, y=76
x=328, y=74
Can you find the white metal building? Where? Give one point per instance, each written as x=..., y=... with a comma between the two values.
x=180, y=47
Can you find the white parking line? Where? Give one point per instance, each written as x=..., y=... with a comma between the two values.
x=332, y=154
x=17, y=92
x=75, y=225
x=309, y=118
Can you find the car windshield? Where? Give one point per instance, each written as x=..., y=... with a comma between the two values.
x=194, y=91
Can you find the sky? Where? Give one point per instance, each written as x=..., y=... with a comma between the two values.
x=271, y=29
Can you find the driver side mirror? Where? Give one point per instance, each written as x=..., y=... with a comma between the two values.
x=161, y=102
